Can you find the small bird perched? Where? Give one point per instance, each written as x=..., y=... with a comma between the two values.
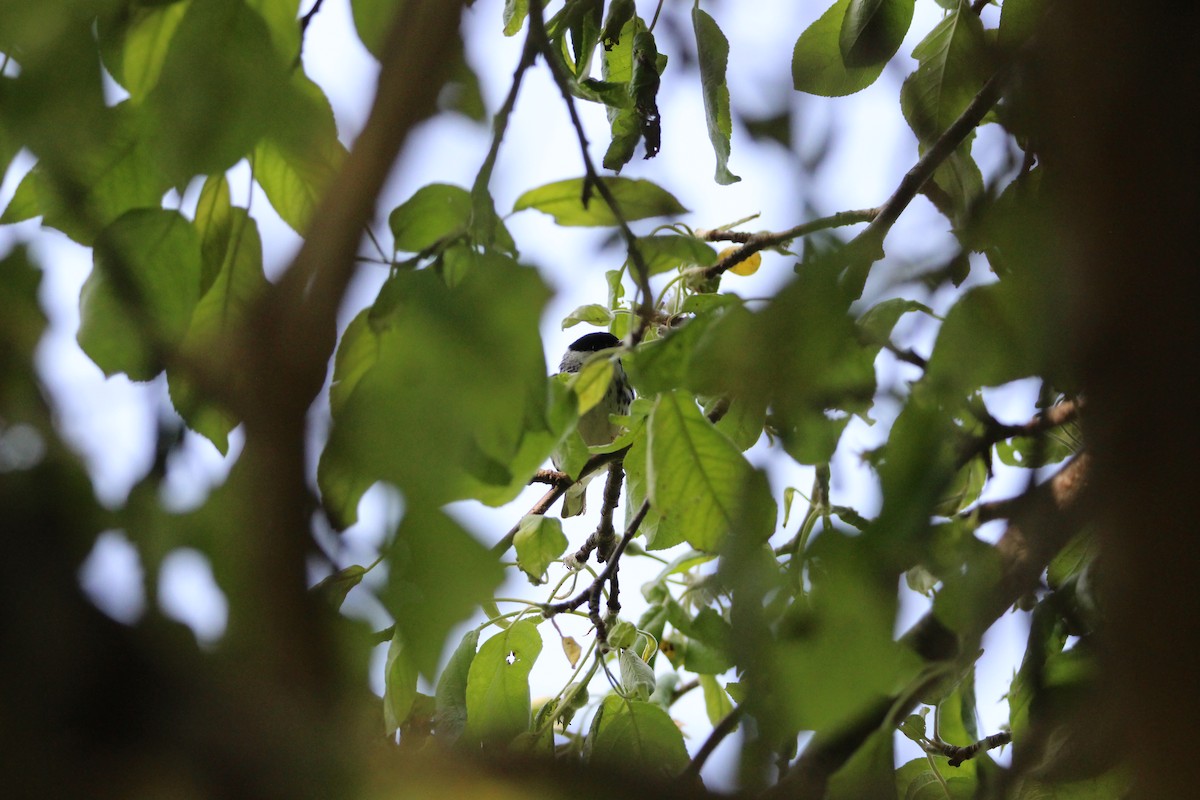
x=594, y=427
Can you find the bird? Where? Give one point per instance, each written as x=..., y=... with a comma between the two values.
x=595, y=426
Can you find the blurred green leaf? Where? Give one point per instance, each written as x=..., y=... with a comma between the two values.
x=515, y=12
x=498, y=684
x=636, y=735
x=482, y=359
x=437, y=574
x=817, y=65
x=295, y=164
x=717, y=704
x=451, y=693
x=713, y=52
x=870, y=772
x=538, y=542
x=400, y=684
x=207, y=113
x=373, y=20
x=334, y=588
x=217, y=317
x=145, y=282
x=564, y=200
x=916, y=780
x=214, y=223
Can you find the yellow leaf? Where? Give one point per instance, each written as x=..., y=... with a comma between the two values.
x=747, y=267
x=572, y=650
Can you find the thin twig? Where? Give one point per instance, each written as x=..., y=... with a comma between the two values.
x=304, y=23
x=592, y=180
x=957, y=755
x=753, y=242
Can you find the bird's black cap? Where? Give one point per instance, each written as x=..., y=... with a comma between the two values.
x=594, y=342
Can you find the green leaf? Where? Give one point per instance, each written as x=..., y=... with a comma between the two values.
x=717, y=704
x=497, y=694
x=1018, y=21
x=24, y=203
x=637, y=677
x=438, y=573
x=515, y=12
x=214, y=222
x=145, y=44
x=451, y=693
x=636, y=735
x=86, y=191
x=373, y=20
x=591, y=383
x=400, y=684
x=817, y=65
x=564, y=200
x=207, y=112
x=876, y=324
x=954, y=61
x=993, y=335
x=713, y=52
x=671, y=251
x=334, y=588
x=870, y=772
x=697, y=477
x=435, y=212
x=482, y=359
x=873, y=30
x=917, y=780
x=538, y=542
x=592, y=314
x=295, y=164
x=144, y=284
x=217, y=317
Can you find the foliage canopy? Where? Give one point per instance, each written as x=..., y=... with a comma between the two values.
x=135, y=117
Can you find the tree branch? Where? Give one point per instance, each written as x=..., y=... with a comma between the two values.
x=726, y=726
x=1049, y=516
x=753, y=242
x=957, y=755
x=537, y=27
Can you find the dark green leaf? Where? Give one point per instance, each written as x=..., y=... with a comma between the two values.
x=870, y=772
x=817, y=66
x=451, y=693
x=873, y=30
x=373, y=20
x=139, y=298
x=400, y=684
x=498, y=684
x=216, y=319
x=564, y=200
x=334, y=588
x=636, y=735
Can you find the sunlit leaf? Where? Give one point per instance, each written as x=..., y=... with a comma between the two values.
x=498, y=684
x=564, y=200
x=451, y=693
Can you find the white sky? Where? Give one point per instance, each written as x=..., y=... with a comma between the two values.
x=112, y=422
